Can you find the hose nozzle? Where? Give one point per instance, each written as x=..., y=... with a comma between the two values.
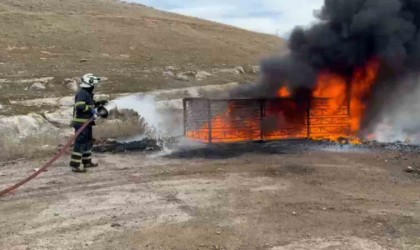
x=104, y=111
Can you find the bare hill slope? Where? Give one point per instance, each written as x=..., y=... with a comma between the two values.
x=62, y=32
x=131, y=44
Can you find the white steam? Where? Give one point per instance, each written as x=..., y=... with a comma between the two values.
x=159, y=123
x=144, y=105
x=401, y=120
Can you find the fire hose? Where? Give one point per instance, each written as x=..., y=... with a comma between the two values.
x=103, y=111
x=49, y=163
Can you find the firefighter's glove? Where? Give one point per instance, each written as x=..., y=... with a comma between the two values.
x=101, y=103
x=94, y=113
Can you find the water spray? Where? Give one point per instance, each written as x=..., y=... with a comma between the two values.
x=104, y=111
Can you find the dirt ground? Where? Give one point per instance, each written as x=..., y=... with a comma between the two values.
x=265, y=197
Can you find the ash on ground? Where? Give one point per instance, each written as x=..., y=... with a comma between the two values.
x=114, y=146
x=180, y=146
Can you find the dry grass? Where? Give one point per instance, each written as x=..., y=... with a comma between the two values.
x=39, y=146
x=121, y=128
x=121, y=125
x=31, y=147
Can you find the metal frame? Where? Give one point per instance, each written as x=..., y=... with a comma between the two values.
x=229, y=120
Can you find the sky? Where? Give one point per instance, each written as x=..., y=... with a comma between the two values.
x=265, y=16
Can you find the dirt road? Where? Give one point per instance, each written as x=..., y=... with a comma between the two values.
x=260, y=199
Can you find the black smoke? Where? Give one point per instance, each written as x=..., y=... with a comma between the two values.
x=347, y=35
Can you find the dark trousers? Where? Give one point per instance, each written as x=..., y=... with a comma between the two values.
x=82, y=150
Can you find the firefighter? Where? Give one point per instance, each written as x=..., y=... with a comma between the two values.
x=85, y=108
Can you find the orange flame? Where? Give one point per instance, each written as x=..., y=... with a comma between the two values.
x=330, y=121
x=283, y=92
x=336, y=89
x=229, y=127
x=341, y=117
x=333, y=87
x=361, y=86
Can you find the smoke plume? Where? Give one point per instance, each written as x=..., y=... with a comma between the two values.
x=349, y=34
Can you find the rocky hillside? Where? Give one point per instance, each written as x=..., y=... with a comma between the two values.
x=66, y=37
x=46, y=45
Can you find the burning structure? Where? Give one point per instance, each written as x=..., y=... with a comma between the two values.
x=338, y=79
x=236, y=120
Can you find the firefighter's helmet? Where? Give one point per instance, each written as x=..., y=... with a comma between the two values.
x=89, y=81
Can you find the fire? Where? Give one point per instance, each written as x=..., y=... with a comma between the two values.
x=333, y=87
x=335, y=112
x=331, y=121
x=284, y=92
x=352, y=94
x=361, y=85
x=228, y=127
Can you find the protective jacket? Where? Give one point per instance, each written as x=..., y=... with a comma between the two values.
x=83, y=106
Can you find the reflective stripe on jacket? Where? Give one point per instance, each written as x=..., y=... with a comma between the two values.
x=83, y=105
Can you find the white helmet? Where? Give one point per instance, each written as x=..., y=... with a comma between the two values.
x=89, y=81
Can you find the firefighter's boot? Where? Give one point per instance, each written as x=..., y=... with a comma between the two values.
x=76, y=163
x=87, y=160
x=91, y=165
x=79, y=169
